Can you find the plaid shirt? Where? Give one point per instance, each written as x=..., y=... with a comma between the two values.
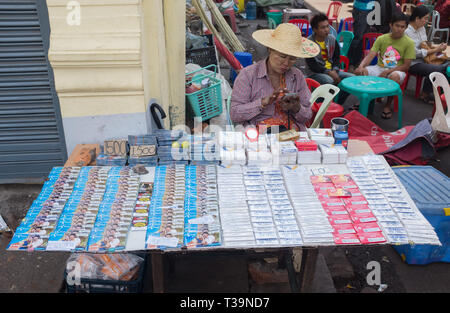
x=253, y=84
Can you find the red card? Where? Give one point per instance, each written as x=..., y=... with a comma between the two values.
x=346, y=239
x=339, y=193
x=368, y=238
x=364, y=228
x=358, y=209
x=344, y=229
x=339, y=219
x=339, y=179
x=363, y=218
x=320, y=179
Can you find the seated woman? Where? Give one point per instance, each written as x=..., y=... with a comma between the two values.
x=259, y=93
x=416, y=31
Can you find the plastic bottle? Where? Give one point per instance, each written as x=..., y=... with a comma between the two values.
x=250, y=10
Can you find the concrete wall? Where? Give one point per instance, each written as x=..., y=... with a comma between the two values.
x=110, y=62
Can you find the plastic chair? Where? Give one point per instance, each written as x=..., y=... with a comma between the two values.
x=435, y=26
x=419, y=81
x=333, y=31
x=229, y=121
x=327, y=92
x=334, y=8
x=300, y=23
x=347, y=38
x=368, y=40
x=403, y=88
x=347, y=24
x=344, y=61
x=232, y=17
x=312, y=84
x=441, y=121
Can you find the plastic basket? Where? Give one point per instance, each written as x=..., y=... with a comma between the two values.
x=206, y=102
x=110, y=286
x=203, y=56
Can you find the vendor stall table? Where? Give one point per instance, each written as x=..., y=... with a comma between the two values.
x=368, y=88
x=305, y=257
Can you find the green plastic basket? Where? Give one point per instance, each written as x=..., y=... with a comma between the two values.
x=206, y=102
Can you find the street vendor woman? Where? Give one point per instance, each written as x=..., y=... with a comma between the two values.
x=272, y=92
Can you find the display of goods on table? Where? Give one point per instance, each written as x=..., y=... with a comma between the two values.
x=98, y=209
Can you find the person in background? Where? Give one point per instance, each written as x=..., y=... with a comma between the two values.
x=443, y=7
x=361, y=9
x=416, y=31
x=396, y=51
x=259, y=95
x=326, y=65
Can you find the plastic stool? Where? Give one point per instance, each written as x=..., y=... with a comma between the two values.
x=230, y=13
x=297, y=13
x=334, y=110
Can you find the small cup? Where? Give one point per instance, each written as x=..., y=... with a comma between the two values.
x=339, y=124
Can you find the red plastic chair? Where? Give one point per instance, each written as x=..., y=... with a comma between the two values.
x=312, y=84
x=348, y=24
x=334, y=110
x=300, y=23
x=402, y=87
x=419, y=80
x=344, y=61
x=334, y=8
x=368, y=41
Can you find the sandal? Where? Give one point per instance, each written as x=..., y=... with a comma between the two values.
x=354, y=107
x=427, y=99
x=386, y=115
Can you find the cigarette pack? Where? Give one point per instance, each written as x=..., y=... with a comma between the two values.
x=304, y=144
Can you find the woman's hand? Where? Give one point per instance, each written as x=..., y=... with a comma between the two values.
x=276, y=95
x=291, y=103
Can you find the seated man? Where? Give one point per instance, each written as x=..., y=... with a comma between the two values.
x=395, y=52
x=326, y=65
x=273, y=92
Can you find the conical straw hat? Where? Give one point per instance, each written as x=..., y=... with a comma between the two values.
x=287, y=38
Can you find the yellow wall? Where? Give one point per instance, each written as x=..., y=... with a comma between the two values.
x=122, y=54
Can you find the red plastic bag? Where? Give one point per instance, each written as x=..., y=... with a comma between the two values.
x=379, y=140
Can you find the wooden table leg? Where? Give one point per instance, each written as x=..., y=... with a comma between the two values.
x=308, y=268
x=158, y=272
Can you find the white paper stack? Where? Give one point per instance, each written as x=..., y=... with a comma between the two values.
x=330, y=155
x=262, y=158
x=309, y=157
x=321, y=135
x=258, y=152
x=284, y=153
x=237, y=230
x=231, y=140
x=304, y=135
x=342, y=154
x=230, y=156
x=312, y=219
x=262, y=144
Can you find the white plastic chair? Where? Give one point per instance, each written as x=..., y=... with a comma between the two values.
x=441, y=121
x=327, y=92
x=435, y=20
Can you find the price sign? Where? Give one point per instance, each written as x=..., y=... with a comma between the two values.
x=140, y=151
x=116, y=147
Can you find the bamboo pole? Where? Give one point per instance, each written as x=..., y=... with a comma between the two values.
x=174, y=22
x=205, y=19
x=224, y=28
